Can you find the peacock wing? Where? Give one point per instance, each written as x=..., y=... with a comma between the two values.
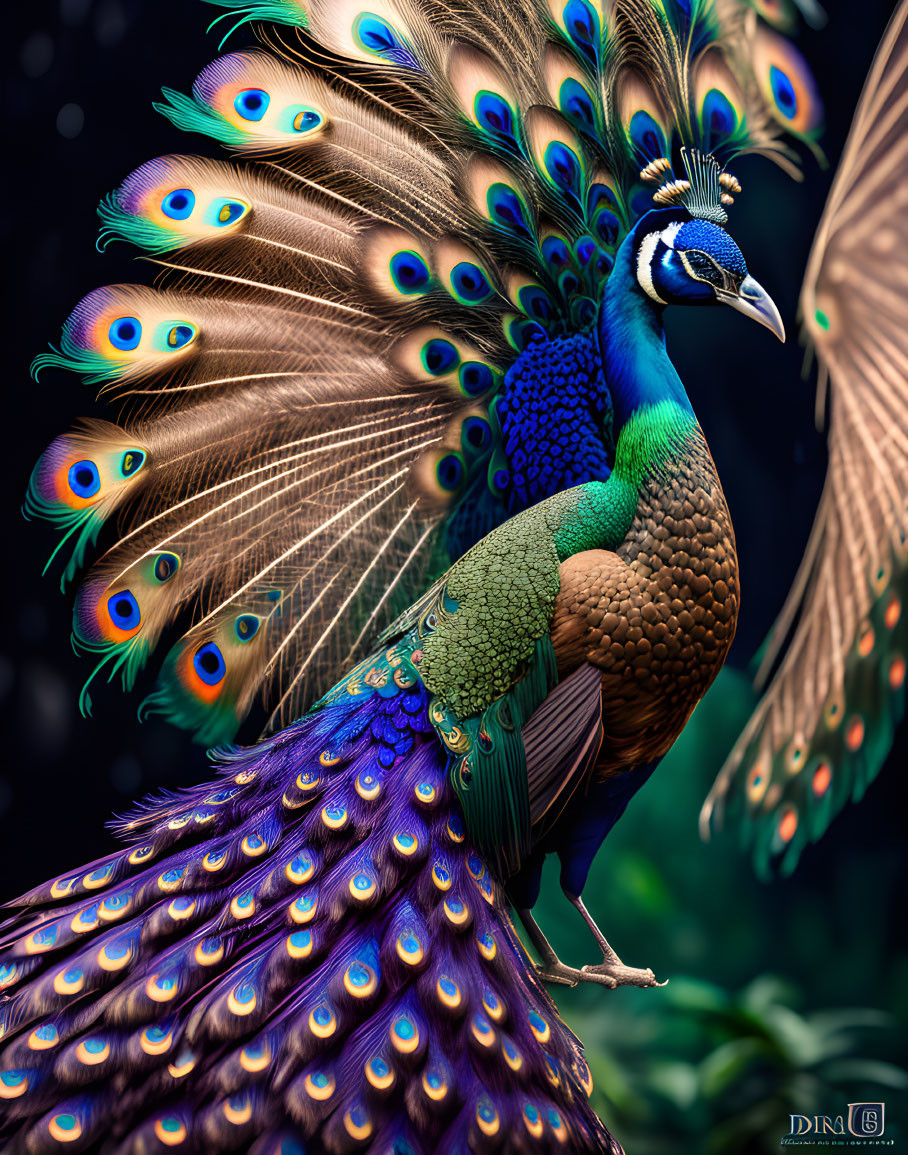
x=825, y=725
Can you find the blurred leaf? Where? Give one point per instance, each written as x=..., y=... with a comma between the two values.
x=694, y=995
x=729, y=1063
x=866, y=1071
x=851, y=1018
x=766, y=991
x=639, y=877
x=676, y=1081
x=800, y=1043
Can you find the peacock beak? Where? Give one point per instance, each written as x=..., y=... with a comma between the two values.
x=752, y=300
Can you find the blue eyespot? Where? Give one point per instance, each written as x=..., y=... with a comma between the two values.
x=470, y=283
x=178, y=205
x=555, y=252
x=522, y=333
x=476, y=433
x=252, y=103
x=84, y=479
x=506, y=207
x=125, y=333
x=585, y=248
x=719, y=116
x=209, y=664
x=179, y=336
x=648, y=137
x=568, y=283
x=377, y=36
x=124, y=610
x=493, y=113
x=226, y=212
x=409, y=272
x=583, y=312
x=608, y=227
x=576, y=104
x=247, y=626
x=598, y=194
x=475, y=378
x=783, y=93
x=535, y=303
x=449, y=471
x=439, y=356
x=306, y=120
x=562, y=165
x=582, y=25
x=165, y=566
x=131, y=462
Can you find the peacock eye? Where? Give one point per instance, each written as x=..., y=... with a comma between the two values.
x=124, y=610
x=84, y=479
x=178, y=205
x=493, y=113
x=209, y=664
x=470, y=283
x=575, y=102
x=439, y=356
x=131, y=462
x=125, y=333
x=476, y=432
x=784, y=93
x=179, y=336
x=226, y=212
x=247, y=626
x=562, y=165
x=252, y=103
x=306, y=120
x=450, y=471
x=475, y=378
x=581, y=23
x=165, y=566
x=409, y=272
x=702, y=267
x=506, y=208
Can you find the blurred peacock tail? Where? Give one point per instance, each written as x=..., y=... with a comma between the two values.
x=838, y=652
x=307, y=947
x=414, y=324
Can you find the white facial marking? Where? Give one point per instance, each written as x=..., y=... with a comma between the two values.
x=644, y=263
x=645, y=257
x=669, y=233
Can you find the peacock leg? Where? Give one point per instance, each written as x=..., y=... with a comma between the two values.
x=551, y=969
x=611, y=966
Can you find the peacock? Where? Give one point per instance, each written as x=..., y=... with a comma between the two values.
x=400, y=453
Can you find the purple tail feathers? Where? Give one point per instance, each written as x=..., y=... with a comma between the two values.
x=304, y=956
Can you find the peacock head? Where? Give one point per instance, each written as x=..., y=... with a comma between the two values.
x=684, y=256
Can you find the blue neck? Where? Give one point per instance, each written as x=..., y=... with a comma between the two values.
x=637, y=367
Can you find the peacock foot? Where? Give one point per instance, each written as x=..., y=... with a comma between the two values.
x=558, y=972
x=613, y=973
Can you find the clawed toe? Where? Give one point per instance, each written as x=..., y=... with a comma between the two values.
x=616, y=974
x=559, y=973
x=606, y=974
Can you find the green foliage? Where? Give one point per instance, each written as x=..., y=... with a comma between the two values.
x=702, y=1069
